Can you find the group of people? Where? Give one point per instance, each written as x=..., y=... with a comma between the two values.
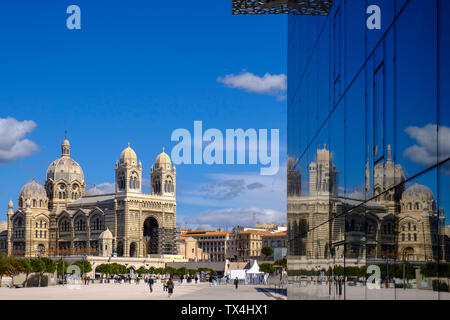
x=167, y=285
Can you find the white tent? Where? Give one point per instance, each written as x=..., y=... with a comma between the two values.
x=240, y=274
x=254, y=275
x=254, y=269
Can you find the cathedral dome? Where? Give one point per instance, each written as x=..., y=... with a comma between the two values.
x=418, y=192
x=65, y=167
x=33, y=189
x=128, y=156
x=163, y=160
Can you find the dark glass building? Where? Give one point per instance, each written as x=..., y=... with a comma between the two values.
x=369, y=151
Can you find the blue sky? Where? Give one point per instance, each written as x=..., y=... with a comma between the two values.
x=135, y=72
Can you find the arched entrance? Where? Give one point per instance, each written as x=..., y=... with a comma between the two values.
x=151, y=235
x=408, y=254
x=120, y=249
x=133, y=249
x=41, y=249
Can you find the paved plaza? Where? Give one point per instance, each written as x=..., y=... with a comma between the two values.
x=125, y=291
x=322, y=292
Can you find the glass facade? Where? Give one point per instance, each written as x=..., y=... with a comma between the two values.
x=369, y=152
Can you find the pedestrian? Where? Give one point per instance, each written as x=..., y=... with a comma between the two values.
x=88, y=279
x=170, y=286
x=210, y=280
x=165, y=285
x=236, y=282
x=150, y=284
x=196, y=279
x=181, y=279
x=340, y=286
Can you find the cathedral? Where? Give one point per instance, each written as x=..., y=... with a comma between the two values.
x=62, y=218
x=393, y=222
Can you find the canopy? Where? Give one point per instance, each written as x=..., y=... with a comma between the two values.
x=254, y=269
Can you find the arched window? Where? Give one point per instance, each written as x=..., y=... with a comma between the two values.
x=40, y=224
x=409, y=206
x=403, y=237
x=415, y=236
x=40, y=234
x=409, y=236
x=36, y=234
x=417, y=206
x=34, y=203
x=40, y=203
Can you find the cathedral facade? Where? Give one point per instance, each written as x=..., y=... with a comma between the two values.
x=62, y=218
x=388, y=222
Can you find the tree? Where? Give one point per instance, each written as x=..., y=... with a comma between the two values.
x=27, y=267
x=159, y=271
x=267, y=251
x=281, y=262
x=39, y=267
x=84, y=265
x=267, y=268
x=181, y=271
x=141, y=271
x=61, y=267
x=104, y=268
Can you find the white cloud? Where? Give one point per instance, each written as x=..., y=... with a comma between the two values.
x=231, y=217
x=240, y=190
x=102, y=188
x=12, y=146
x=424, y=151
x=268, y=84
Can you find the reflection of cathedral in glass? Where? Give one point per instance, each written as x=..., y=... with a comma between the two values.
x=60, y=218
x=329, y=224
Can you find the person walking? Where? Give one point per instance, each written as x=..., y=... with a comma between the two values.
x=150, y=284
x=196, y=279
x=170, y=286
x=165, y=285
x=236, y=282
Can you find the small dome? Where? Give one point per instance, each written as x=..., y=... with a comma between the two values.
x=418, y=192
x=33, y=189
x=106, y=234
x=66, y=143
x=163, y=160
x=128, y=156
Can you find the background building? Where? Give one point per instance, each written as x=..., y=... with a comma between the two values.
x=61, y=218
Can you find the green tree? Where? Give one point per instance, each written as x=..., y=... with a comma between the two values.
x=104, y=268
x=61, y=267
x=282, y=262
x=267, y=251
x=159, y=271
x=141, y=271
x=39, y=267
x=267, y=268
x=84, y=265
x=181, y=271
x=27, y=268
